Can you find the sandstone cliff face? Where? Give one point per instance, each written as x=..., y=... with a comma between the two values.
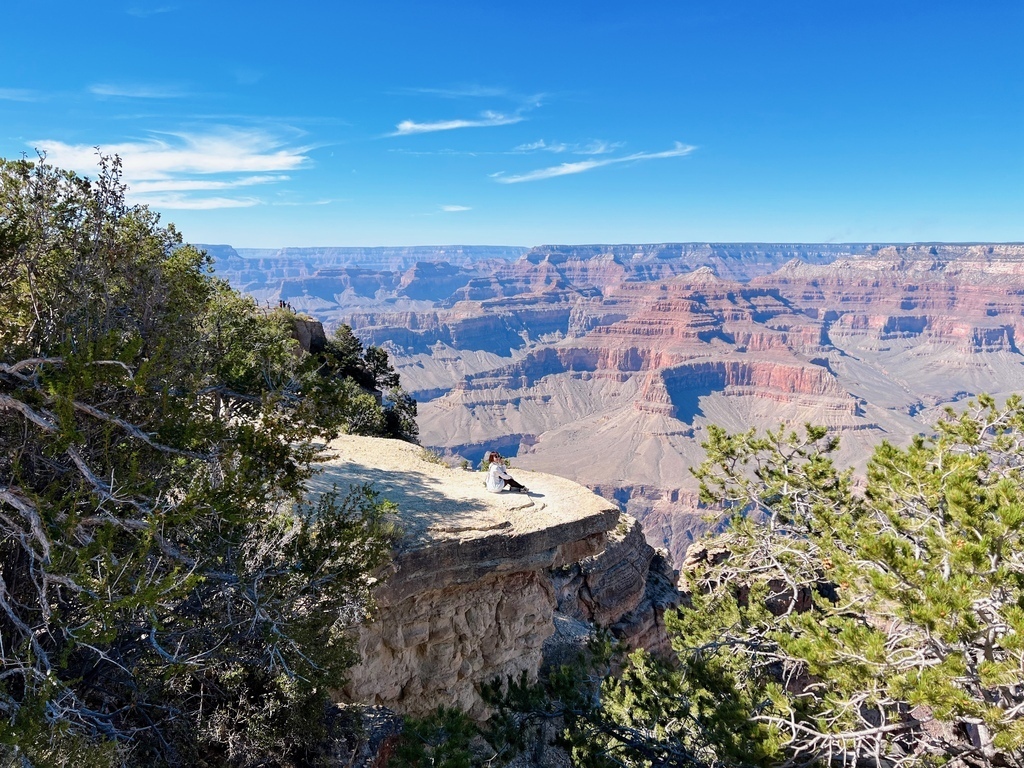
x=626, y=587
x=479, y=580
x=968, y=297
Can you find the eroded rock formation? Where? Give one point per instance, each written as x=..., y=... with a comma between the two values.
x=479, y=580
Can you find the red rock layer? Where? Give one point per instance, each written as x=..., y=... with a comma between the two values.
x=970, y=298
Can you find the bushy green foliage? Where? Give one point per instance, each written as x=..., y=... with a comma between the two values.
x=384, y=408
x=881, y=628
x=645, y=713
x=168, y=594
x=920, y=652
x=440, y=740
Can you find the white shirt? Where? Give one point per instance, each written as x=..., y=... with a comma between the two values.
x=496, y=477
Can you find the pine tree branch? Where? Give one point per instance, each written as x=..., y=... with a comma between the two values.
x=41, y=656
x=135, y=432
x=30, y=513
x=10, y=403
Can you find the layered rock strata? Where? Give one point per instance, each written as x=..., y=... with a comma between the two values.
x=331, y=282
x=616, y=388
x=479, y=580
x=607, y=364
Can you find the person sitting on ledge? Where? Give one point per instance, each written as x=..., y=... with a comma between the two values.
x=498, y=478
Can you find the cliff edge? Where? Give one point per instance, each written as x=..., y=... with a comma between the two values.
x=479, y=581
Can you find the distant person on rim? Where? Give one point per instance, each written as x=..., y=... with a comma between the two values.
x=498, y=478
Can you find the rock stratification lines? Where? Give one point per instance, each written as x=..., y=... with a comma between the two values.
x=480, y=581
x=606, y=364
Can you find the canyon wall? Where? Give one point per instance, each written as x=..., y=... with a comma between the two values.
x=332, y=282
x=607, y=364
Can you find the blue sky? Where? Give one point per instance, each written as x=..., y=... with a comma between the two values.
x=400, y=123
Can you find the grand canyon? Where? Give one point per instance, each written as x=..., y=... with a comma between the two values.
x=606, y=364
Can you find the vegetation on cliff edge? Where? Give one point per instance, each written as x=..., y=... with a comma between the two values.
x=168, y=594
x=881, y=628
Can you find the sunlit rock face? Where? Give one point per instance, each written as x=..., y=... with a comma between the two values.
x=965, y=298
x=480, y=580
x=607, y=364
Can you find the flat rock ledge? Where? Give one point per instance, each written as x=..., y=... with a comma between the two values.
x=479, y=580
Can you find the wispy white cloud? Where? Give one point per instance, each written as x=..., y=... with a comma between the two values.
x=19, y=94
x=486, y=120
x=173, y=170
x=123, y=91
x=470, y=91
x=568, y=169
x=143, y=12
x=455, y=208
x=449, y=152
x=299, y=203
x=540, y=146
x=196, y=185
x=595, y=147
x=598, y=147
x=168, y=156
x=179, y=202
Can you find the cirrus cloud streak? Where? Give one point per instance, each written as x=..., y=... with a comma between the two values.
x=486, y=120
x=196, y=185
x=113, y=90
x=568, y=169
x=179, y=202
x=595, y=147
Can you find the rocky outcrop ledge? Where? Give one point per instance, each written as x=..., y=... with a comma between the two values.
x=479, y=581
